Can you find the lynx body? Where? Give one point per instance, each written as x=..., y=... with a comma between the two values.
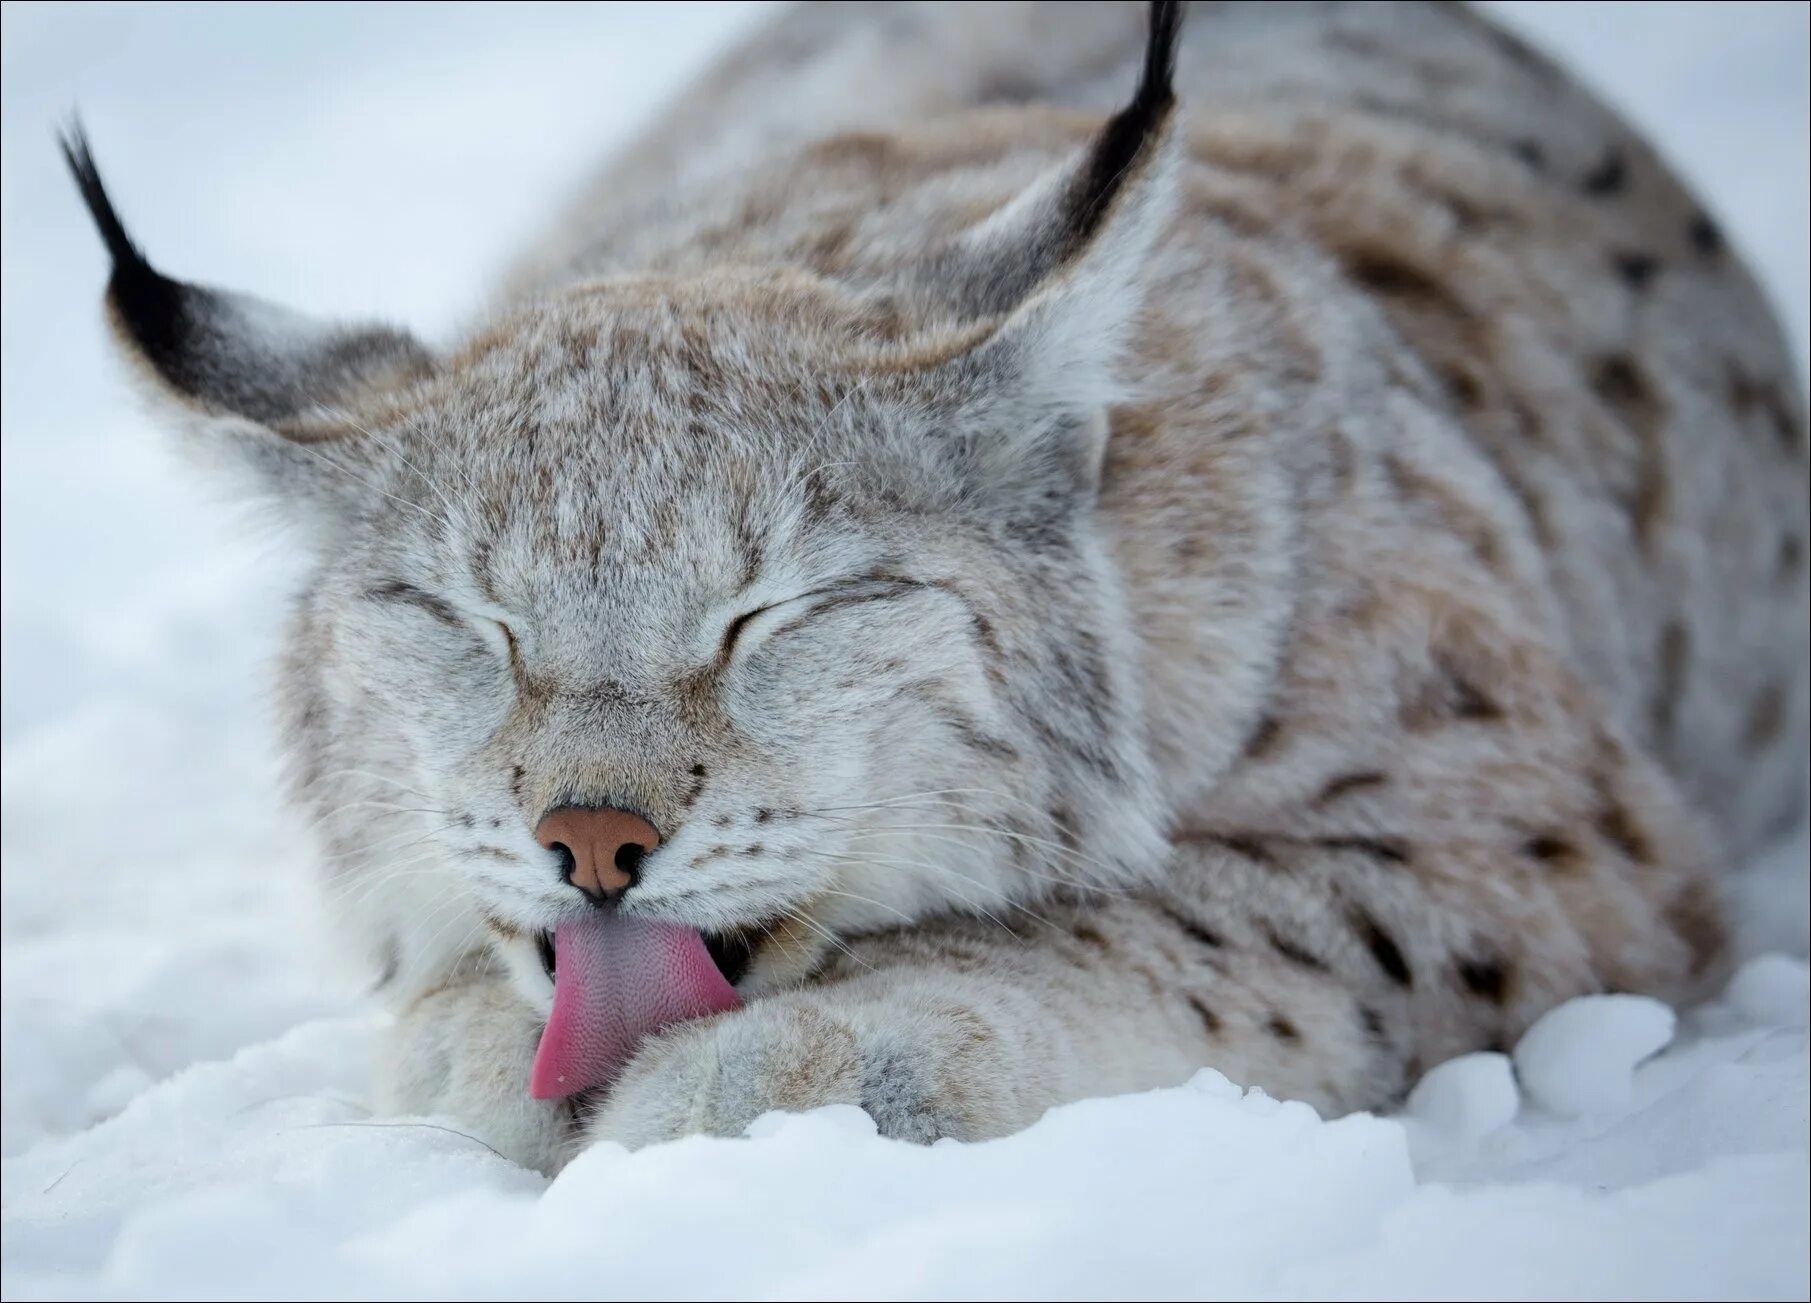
x=1298, y=576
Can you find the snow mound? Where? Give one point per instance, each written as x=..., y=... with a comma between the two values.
x=1773, y=989
x=1580, y=1058
x=1468, y=1097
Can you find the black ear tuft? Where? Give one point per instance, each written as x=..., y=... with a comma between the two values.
x=88, y=179
x=1121, y=146
x=1160, y=55
x=1081, y=231
x=151, y=306
x=231, y=354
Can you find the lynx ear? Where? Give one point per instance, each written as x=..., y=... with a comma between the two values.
x=254, y=380
x=1055, y=279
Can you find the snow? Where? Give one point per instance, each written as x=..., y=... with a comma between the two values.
x=263, y=1176
x=1580, y=1058
x=1773, y=990
x=182, y=1111
x=1466, y=1098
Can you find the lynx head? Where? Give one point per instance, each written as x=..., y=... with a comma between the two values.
x=754, y=602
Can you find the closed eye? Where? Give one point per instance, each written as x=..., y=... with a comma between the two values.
x=736, y=626
x=394, y=590
x=854, y=592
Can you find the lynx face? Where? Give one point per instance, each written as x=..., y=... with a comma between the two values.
x=797, y=578
x=787, y=613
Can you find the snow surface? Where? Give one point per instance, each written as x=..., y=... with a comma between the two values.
x=181, y=1109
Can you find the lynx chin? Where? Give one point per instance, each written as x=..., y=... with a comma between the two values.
x=1005, y=553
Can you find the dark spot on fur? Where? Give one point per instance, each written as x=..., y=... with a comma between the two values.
x=697, y=771
x=974, y=738
x=1622, y=387
x=1705, y=236
x=1609, y=177
x=1749, y=395
x=1294, y=953
x=1636, y=269
x=1618, y=382
x=1281, y=1028
x=1243, y=845
x=721, y=821
x=1488, y=979
x=1470, y=702
x=1462, y=386
x=1384, y=274
x=1209, y=1019
x=1617, y=826
x=763, y=815
x=1448, y=694
x=1552, y=850
x=756, y=849
x=1383, y=948
x=1346, y=784
x=1391, y=849
x=1766, y=718
x=1088, y=933
x=1264, y=738
x=1372, y=1021
x=1531, y=153
x=1062, y=822
x=1199, y=932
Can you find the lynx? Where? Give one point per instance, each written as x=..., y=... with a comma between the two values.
x=945, y=588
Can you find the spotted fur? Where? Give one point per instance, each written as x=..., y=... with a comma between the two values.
x=1299, y=581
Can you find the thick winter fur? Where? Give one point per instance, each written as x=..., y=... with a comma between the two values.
x=1299, y=579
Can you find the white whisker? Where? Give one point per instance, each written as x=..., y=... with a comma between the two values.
x=894, y=862
x=343, y=415
x=320, y=779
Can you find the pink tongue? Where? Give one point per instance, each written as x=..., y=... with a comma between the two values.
x=615, y=981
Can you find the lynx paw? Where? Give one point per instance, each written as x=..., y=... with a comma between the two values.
x=464, y=1052
x=716, y=1077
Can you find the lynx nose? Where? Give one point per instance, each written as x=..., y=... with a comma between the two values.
x=602, y=847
